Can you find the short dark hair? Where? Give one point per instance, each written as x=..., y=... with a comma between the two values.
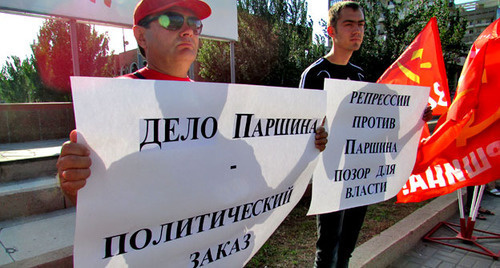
x=335, y=9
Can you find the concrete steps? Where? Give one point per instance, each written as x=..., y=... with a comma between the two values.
x=30, y=197
x=28, y=184
x=36, y=222
x=20, y=169
x=44, y=240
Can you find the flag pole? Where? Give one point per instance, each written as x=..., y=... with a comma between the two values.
x=466, y=228
x=463, y=224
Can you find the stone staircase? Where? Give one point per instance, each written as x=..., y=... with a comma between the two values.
x=36, y=222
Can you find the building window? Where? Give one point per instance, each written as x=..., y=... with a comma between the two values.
x=133, y=67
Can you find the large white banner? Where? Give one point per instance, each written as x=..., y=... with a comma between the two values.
x=222, y=24
x=189, y=174
x=374, y=130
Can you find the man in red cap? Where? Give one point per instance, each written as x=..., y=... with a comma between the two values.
x=167, y=32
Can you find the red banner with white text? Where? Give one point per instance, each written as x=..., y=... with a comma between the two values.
x=464, y=150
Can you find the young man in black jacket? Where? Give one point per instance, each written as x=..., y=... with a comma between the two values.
x=338, y=231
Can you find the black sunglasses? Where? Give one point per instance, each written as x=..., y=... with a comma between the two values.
x=173, y=21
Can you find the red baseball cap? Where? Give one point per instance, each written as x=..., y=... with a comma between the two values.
x=147, y=7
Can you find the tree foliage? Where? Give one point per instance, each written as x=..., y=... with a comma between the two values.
x=52, y=52
x=275, y=40
x=45, y=76
x=20, y=83
x=391, y=28
x=275, y=45
x=17, y=80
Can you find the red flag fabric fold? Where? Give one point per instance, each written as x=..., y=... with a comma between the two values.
x=464, y=150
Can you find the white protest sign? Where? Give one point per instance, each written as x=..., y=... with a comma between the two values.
x=374, y=130
x=189, y=174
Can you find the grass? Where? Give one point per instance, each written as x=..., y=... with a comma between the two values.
x=293, y=243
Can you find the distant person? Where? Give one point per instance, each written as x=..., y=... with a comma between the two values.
x=167, y=33
x=493, y=187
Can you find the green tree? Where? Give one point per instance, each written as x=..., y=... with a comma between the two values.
x=52, y=52
x=17, y=80
x=45, y=76
x=275, y=45
x=390, y=28
x=20, y=83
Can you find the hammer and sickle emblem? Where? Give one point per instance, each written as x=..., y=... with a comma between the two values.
x=409, y=73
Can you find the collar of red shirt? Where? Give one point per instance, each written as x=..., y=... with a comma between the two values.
x=155, y=75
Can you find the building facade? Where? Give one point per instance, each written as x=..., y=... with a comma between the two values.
x=129, y=62
x=479, y=15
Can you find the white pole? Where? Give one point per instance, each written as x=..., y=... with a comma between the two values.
x=477, y=200
x=473, y=204
x=461, y=203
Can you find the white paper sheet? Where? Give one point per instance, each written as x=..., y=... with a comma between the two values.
x=374, y=130
x=174, y=205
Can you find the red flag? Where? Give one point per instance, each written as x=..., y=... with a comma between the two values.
x=422, y=64
x=465, y=148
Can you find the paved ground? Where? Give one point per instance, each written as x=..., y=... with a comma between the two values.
x=431, y=254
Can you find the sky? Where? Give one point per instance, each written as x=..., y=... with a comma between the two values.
x=18, y=38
